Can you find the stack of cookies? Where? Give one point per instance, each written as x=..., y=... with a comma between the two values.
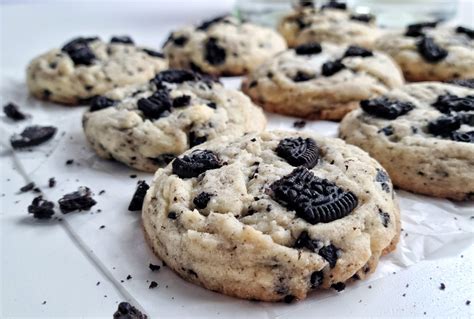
x=273, y=215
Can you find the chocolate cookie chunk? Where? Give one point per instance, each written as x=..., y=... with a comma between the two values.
x=33, y=136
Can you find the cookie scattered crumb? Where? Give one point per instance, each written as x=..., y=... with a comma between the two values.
x=137, y=200
x=28, y=187
x=52, y=182
x=127, y=311
x=41, y=209
x=69, y=162
x=154, y=267
x=32, y=136
x=299, y=124
x=13, y=112
x=78, y=200
x=129, y=277
x=153, y=284
x=442, y=286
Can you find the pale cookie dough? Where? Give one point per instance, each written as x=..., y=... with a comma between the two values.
x=240, y=217
x=222, y=46
x=423, y=134
x=87, y=67
x=146, y=126
x=429, y=53
x=321, y=81
x=340, y=26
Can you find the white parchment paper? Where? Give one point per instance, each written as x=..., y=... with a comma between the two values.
x=432, y=228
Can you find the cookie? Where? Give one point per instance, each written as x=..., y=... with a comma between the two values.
x=272, y=216
x=222, y=46
x=86, y=67
x=427, y=52
x=333, y=24
x=321, y=81
x=423, y=134
x=146, y=126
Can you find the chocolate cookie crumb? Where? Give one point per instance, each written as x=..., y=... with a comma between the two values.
x=127, y=311
x=299, y=124
x=27, y=187
x=442, y=286
x=40, y=208
x=12, y=111
x=78, y=200
x=153, y=284
x=52, y=182
x=154, y=267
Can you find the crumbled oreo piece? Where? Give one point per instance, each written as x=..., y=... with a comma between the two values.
x=466, y=31
x=13, y=112
x=196, y=163
x=416, y=29
x=69, y=162
x=154, y=53
x=214, y=53
x=385, y=218
x=384, y=180
x=355, y=50
x=172, y=215
x=101, y=102
x=299, y=151
x=430, y=51
x=469, y=83
x=465, y=137
x=340, y=286
x=79, y=51
x=316, y=279
x=41, y=208
x=451, y=103
x=309, y=48
x=127, y=311
x=201, y=200
x=180, y=41
x=52, y=182
x=332, y=67
x=181, y=101
x=442, y=286
x=153, y=285
x=385, y=108
x=313, y=199
x=301, y=76
x=299, y=124
x=289, y=299
x=154, y=267
x=363, y=17
x=32, y=136
x=124, y=39
x=137, y=200
x=444, y=125
x=196, y=140
x=155, y=106
x=305, y=241
x=28, y=187
x=334, y=4
x=330, y=253
x=387, y=130
x=174, y=76
x=78, y=200
x=208, y=23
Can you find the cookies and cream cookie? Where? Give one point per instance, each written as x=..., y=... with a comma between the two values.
x=427, y=52
x=321, y=81
x=272, y=216
x=86, y=67
x=222, y=46
x=423, y=134
x=332, y=23
x=146, y=126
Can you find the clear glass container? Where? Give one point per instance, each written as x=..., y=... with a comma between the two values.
x=399, y=13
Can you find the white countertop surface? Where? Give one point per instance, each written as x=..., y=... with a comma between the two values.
x=61, y=263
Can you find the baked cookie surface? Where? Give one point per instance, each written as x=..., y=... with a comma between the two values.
x=87, y=67
x=321, y=81
x=146, y=126
x=427, y=52
x=330, y=24
x=272, y=216
x=422, y=134
x=222, y=46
